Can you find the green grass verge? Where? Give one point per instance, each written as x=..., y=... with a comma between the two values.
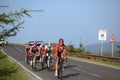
x=106, y=62
x=10, y=70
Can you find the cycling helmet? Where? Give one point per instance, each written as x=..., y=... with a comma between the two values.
x=35, y=43
x=49, y=45
x=61, y=39
x=43, y=44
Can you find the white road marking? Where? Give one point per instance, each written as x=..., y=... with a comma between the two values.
x=93, y=74
x=18, y=49
x=101, y=64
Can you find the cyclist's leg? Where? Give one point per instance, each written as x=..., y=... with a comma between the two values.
x=42, y=62
x=37, y=58
x=42, y=58
x=46, y=57
x=56, y=67
x=48, y=60
x=25, y=57
x=51, y=57
x=60, y=70
x=63, y=56
x=31, y=60
x=28, y=58
x=34, y=61
x=60, y=63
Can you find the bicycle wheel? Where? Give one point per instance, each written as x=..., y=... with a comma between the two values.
x=48, y=63
x=27, y=60
x=42, y=62
x=60, y=74
x=34, y=64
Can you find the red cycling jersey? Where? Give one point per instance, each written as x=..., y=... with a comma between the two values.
x=42, y=50
x=60, y=49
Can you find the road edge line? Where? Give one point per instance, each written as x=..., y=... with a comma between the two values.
x=101, y=64
x=36, y=76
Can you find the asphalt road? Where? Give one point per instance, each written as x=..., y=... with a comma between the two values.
x=74, y=69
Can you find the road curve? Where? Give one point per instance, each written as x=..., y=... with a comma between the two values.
x=74, y=69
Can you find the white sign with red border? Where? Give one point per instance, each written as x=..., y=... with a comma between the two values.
x=112, y=39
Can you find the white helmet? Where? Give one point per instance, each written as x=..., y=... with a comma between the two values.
x=49, y=44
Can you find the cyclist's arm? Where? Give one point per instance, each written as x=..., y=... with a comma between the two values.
x=56, y=51
x=31, y=51
x=38, y=51
x=25, y=52
x=64, y=51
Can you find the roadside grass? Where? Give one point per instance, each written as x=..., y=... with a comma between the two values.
x=98, y=61
x=10, y=70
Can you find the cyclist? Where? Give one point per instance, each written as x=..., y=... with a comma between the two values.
x=43, y=54
x=60, y=51
x=27, y=53
x=35, y=52
x=48, y=49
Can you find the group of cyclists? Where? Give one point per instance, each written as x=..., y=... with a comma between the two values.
x=42, y=53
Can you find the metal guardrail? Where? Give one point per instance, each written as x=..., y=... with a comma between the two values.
x=112, y=59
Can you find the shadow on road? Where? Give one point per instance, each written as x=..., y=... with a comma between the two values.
x=71, y=75
x=69, y=66
x=52, y=68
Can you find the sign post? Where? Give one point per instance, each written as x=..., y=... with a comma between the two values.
x=102, y=37
x=101, y=48
x=112, y=40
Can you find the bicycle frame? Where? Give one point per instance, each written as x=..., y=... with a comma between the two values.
x=34, y=63
x=42, y=60
x=48, y=60
x=60, y=66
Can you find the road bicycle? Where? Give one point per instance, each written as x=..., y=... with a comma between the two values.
x=35, y=59
x=60, y=68
x=42, y=60
x=34, y=63
x=27, y=59
x=48, y=59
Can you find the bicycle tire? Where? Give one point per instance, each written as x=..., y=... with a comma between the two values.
x=34, y=64
x=48, y=65
x=28, y=60
x=60, y=72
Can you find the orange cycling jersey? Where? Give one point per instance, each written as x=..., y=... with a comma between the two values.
x=60, y=50
x=42, y=50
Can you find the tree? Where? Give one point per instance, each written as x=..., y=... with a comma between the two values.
x=70, y=48
x=81, y=46
x=14, y=20
x=118, y=50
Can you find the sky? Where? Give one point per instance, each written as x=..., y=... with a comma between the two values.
x=73, y=20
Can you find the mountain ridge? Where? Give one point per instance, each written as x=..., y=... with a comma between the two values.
x=107, y=48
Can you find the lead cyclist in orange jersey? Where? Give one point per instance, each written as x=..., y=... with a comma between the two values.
x=60, y=51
